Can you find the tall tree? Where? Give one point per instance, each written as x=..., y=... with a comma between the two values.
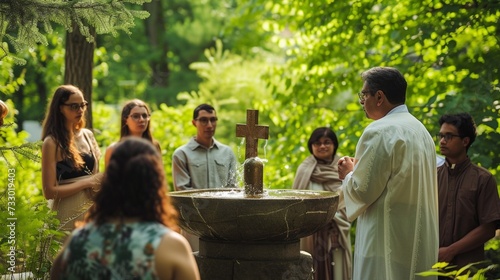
x=79, y=62
x=155, y=31
x=20, y=21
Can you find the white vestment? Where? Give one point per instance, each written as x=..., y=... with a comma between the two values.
x=392, y=191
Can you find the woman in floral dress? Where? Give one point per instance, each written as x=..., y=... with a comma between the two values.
x=131, y=229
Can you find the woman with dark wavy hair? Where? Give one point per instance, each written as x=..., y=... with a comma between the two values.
x=134, y=122
x=70, y=157
x=131, y=230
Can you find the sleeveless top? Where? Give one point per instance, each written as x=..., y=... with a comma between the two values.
x=113, y=251
x=65, y=169
x=72, y=209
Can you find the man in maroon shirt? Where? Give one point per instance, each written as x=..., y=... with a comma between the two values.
x=469, y=205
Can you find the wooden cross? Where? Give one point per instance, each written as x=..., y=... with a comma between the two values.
x=252, y=133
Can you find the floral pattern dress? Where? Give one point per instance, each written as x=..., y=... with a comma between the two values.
x=113, y=251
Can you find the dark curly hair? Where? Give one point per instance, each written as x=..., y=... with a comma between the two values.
x=464, y=123
x=134, y=186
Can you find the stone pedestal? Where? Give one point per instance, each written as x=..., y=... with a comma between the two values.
x=223, y=260
x=250, y=238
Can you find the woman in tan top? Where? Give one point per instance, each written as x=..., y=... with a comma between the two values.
x=70, y=157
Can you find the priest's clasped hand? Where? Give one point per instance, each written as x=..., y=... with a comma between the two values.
x=345, y=165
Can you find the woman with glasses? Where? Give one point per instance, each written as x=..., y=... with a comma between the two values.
x=70, y=157
x=131, y=230
x=331, y=244
x=134, y=122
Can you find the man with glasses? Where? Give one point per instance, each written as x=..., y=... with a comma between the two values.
x=204, y=162
x=469, y=206
x=390, y=186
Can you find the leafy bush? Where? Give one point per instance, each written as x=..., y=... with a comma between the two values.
x=28, y=243
x=488, y=269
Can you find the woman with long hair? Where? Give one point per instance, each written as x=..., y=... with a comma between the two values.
x=330, y=247
x=70, y=157
x=134, y=121
x=131, y=229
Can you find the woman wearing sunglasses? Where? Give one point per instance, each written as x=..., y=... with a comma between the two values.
x=70, y=157
x=134, y=122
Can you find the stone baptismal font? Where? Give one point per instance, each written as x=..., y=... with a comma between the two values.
x=250, y=233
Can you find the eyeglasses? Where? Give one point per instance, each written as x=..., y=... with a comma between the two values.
x=362, y=95
x=137, y=117
x=326, y=144
x=447, y=136
x=204, y=120
x=76, y=106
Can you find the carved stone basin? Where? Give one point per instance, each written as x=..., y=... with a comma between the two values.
x=248, y=234
x=276, y=215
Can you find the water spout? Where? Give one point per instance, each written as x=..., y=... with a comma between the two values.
x=253, y=176
x=253, y=166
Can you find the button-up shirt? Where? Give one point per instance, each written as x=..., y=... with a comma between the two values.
x=468, y=198
x=195, y=166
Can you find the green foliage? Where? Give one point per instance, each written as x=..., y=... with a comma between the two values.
x=29, y=85
x=27, y=150
x=20, y=20
x=447, y=51
x=127, y=60
x=106, y=123
x=31, y=237
x=475, y=271
x=11, y=152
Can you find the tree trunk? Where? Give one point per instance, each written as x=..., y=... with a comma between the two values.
x=79, y=62
x=156, y=30
x=18, y=98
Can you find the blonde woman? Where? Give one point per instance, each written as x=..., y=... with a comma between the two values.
x=70, y=157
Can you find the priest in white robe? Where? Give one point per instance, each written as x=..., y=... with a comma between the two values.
x=390, y=185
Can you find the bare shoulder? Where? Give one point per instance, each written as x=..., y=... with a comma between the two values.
x=49, y=140
x=175, y=239
x=174, y=259
x=109, y=152
x=49, y=143
x=111, y=147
